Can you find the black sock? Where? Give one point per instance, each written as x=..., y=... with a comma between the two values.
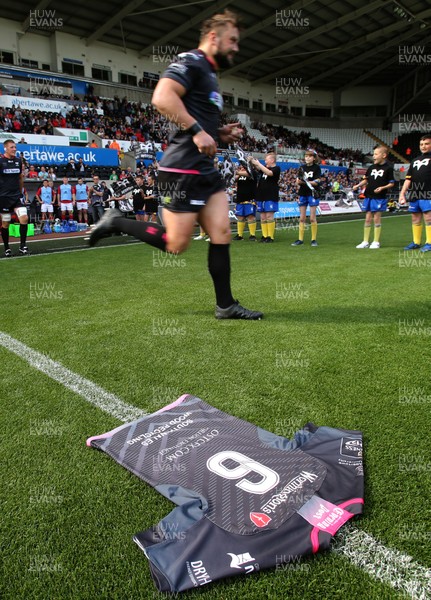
x=219, y=268
x=5, y=237
x=151, y=233
x=23, y=234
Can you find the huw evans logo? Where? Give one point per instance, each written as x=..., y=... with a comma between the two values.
x=44, y=19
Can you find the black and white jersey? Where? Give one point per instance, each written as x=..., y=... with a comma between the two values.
x=419, y=174
x=245, y=189
x=308, y=173
x=138, y=198
x=10, y=172
x=203, y=101
x=151, y=204
x=267, y=186
x=378, y=176
x=247, y=499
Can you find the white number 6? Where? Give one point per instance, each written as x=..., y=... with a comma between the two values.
x=245, y=466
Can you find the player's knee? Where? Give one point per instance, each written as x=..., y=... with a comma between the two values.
x=177, y=246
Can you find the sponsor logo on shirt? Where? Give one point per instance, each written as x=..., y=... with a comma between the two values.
x=377, y=173
x=421, y=163
x=216, y=99
x=198, y=573
x=260, y=519
x=351, y=447
x=293, y=485
x=238, y=560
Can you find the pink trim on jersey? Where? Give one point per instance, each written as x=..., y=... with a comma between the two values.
x=186, y=171
x=103, y=436
x=173, y=404
x=314, y=536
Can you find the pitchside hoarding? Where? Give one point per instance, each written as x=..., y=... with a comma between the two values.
x=61, y=155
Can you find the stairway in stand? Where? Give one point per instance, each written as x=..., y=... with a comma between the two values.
x=400, y=157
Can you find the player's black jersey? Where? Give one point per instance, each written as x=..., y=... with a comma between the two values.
x=419, y=174
x=10, y=171
x=378, y=176
x=245, y=189
x=267, y=187
x=151, y=204
x=203, y=101
x=245, y=496
x=308, y=173
x=138, y=199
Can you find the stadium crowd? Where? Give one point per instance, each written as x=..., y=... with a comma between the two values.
x=132, y=121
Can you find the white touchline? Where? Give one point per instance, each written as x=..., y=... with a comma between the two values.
x=87, y=389
x=387, y=565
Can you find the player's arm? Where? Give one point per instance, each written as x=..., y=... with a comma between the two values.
x=385, y=187
x=406, y=186
x=74, y=196
x=38, y=198
x=360, y=184
x=167, y=99
x=258, y=165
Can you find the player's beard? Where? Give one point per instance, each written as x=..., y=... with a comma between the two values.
x=223, y=61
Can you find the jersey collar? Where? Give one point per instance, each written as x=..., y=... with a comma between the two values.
x=211, y=61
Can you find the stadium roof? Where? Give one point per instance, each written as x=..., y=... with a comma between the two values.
x=330, y=44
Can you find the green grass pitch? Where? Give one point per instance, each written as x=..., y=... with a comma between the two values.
x=345, y=342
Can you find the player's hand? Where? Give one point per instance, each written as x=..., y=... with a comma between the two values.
x=378, y=190
x=205, y=143
x=402, y=200
x=230, y=133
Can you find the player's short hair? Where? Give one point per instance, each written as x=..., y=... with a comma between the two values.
x=271, y=153
x=384, y=148
x=6, y=142
x=426, y=136
x=313, y=153
x=219, y=22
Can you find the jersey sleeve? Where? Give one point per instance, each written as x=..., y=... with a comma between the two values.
x=276, y=172
x=184, y=70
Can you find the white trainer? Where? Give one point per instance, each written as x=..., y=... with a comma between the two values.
x=375, y=245
x=363, y=245
x=199, y=237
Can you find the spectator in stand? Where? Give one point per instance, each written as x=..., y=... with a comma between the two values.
x=113, y=176
x=32, y=173
x=43, y=174
x=114, y=145
x=71, y=168
x=80, y=167
x=51, y=174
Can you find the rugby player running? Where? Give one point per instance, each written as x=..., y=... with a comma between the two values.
x=189, y=185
